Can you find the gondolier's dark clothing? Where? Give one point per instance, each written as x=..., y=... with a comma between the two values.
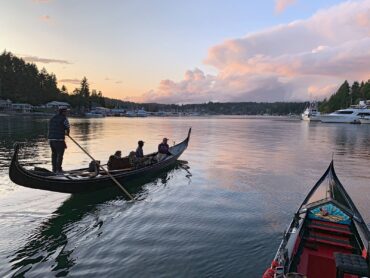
x=57, y=153
x=58, y=125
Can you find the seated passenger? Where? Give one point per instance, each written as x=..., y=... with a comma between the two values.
x=163, y=147
x=163, y=150
x=116, y=162
x=139, y=151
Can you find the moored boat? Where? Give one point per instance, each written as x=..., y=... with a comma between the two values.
x=365, y=120
x=325, y=234
x=94, y=114
x=311, y=113
x=83, y=180
x=351, y=115
x=142, y=113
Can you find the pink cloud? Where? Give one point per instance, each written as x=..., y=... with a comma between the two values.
x=281, y=5
x=296, y=61
x=317, y=92
x=42, y=1
x=45, y=18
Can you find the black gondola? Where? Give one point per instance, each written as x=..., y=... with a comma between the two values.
x=326, y=238
x=80, y=181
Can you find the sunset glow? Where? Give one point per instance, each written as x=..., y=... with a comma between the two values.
x=190, y=52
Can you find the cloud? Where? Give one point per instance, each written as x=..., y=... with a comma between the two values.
x=45, y=18
x=300, y=60
x=42, y=1
x=119, y=82
x=281, y=5
x=75, y=81
x=35, y=59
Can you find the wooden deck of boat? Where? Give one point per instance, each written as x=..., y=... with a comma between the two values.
x=320, y=240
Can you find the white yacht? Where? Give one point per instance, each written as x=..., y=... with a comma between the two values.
x=141, y=113
x=365, y=118
x=311, y=113
x=350, y=115
x=94, y=114
x=130, y=114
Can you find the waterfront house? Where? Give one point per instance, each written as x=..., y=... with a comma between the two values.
x=102, y=110
x=5, y=105
x=22, y=107
x=56, y=104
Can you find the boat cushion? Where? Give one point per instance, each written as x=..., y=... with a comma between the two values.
x=351, y=264
x=330, y=213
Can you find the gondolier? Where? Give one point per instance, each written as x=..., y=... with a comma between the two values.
x=58, y=128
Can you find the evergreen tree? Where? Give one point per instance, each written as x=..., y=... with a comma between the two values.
x=340, y=99
x=85, y=94
x=355, y=93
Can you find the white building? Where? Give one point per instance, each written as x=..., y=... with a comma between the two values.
x=22, y=107
x=5, y=104
x=57, y=104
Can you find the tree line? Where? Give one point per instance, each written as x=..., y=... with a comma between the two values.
x=346, y=95
x=24, y=82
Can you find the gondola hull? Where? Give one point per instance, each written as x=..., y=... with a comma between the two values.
x=326, y=229
x=67, y=184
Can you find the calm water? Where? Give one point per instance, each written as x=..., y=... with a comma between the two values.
x=220, y=215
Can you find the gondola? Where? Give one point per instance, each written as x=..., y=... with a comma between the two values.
x=82, y=180
x=327, y=237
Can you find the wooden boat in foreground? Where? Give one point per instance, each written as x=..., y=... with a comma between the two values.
x=327, y=237
x=81, y=180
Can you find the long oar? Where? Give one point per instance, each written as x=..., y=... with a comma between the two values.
x=101, y=167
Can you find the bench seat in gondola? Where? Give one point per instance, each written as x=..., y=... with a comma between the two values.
x=330, y=240
x=329, y=227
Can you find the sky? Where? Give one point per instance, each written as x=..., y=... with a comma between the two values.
x=194, y=51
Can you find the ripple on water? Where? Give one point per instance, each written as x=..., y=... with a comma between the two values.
x=222, y=215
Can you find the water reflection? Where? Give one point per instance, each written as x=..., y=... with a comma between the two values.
x=48, y=245
x=247, y=178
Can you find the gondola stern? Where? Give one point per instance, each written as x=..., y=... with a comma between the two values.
x=15, y=154
x=13, y=169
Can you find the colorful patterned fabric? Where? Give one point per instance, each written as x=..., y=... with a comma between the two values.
x=330, y=213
